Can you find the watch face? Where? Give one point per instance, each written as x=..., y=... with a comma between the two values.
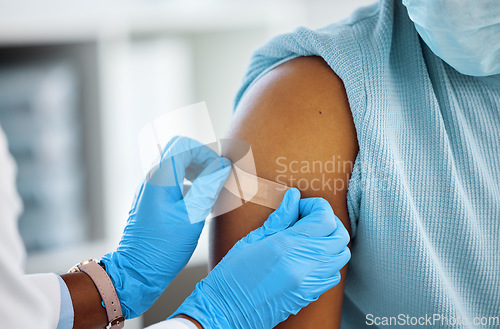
x=76, y=268
x=88, y=261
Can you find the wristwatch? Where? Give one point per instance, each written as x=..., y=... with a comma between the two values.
x=103, y=283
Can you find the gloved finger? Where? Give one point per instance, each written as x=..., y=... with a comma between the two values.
x=282, y=218
x=341, y=231
x=137, y=197
x=206, y=188
x=191, y=157
x=336, y=243
x=317, y=218
x=326, y=275
x=155, y=181
x=341, y=234
x=343, y=257
x=322, y=283
x=167, y=147
x=183, y=157
x=319, y=248
x=200, y=157
x=165, y=173
x=338, y=261
x=330, y=245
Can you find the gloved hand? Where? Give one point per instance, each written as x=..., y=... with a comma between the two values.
x=163, y=227
x=275, y=270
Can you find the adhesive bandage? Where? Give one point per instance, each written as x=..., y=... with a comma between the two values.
x=269, y=194
x=242, y=187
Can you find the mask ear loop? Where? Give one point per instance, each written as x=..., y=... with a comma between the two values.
x=269, y=194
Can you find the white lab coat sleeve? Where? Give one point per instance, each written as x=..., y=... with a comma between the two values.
x=24, y=302
x=67, y=313
x=176, y=323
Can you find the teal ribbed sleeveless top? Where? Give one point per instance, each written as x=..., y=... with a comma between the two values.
x=424, y=195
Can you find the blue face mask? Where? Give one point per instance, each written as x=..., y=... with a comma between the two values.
x=463, y=33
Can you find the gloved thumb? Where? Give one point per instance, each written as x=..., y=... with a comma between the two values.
x=206, y=188
x=317, y=218
x=282, y=218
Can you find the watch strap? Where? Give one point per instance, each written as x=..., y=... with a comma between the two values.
x=107, y=291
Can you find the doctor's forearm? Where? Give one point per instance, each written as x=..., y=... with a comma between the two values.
x=88, y=310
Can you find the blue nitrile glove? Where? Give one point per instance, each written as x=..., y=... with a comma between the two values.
x=275, y=270
x=159, y=237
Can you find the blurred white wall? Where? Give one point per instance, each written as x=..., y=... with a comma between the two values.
x=153, y=56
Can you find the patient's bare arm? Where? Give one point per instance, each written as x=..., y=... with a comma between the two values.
x=298, y=122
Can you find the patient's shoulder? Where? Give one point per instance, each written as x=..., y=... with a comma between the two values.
x=299, y=105
x=298, y=87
